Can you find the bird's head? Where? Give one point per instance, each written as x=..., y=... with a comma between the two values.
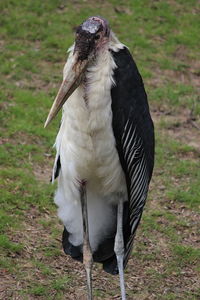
x=91, y=37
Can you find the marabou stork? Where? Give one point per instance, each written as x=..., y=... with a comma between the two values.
x=105, y=150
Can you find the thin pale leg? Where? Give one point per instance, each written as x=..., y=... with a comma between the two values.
x=119, y=248
x=87, y=253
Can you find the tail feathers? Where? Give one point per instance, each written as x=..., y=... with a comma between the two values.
x=104, y=254
x=110, y=265
x=74, y=251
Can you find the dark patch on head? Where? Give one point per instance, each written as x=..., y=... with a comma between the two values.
x=84, y=43
x=107, y=32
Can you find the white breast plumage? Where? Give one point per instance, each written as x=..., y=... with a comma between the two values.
x=86, y=142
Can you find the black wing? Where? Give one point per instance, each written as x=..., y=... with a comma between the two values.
x=134, y=134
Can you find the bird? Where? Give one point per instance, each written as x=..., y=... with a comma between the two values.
x=104, y=150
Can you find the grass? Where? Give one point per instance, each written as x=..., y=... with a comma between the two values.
x=9, y=246
x=163, y=38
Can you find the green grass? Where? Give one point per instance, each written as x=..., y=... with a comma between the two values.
x=38, y=290
x=186, y=254
x=163, y=38
x=9, y=246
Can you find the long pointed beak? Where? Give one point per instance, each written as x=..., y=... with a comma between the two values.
x=71, y=81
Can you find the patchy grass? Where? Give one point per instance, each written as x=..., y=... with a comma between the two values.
x=163, y=38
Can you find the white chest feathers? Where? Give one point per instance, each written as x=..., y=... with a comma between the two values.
x=85, y=142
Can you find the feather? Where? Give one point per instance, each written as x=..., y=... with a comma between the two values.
x=134, y=133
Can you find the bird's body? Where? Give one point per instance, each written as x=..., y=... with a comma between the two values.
x=87, y=150
x=105, y=150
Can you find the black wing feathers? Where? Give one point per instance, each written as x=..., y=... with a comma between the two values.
x=129, y=101
x=134, y=134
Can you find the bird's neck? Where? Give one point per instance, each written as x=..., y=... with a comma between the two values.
x=93, y=95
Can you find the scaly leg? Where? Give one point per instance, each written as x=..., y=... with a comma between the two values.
x=119, y=248
x=87, y=253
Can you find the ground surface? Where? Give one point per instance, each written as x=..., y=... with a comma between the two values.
x=163, y=38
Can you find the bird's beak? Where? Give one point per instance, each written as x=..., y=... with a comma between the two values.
x=71, y=81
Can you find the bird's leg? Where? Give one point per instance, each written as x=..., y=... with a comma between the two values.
x=119, y=248
x=87, y=253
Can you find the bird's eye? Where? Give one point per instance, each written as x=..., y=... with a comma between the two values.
x=97, y=37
